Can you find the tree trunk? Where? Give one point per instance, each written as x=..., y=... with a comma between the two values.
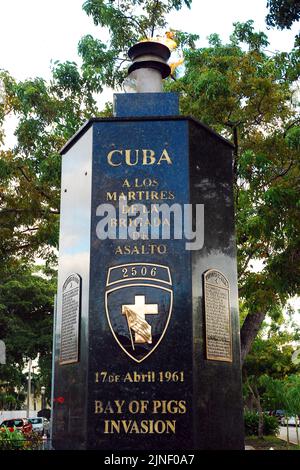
x=249, y=331
x=297, y=430
x=256, y=398
x=260, y=418
x=287, y=432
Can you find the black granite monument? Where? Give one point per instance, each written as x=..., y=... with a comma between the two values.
x=147, y=348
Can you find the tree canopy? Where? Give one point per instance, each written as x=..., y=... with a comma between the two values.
x=26, y=306
x=283, y=13
x=268, y=369
x=250, y=97
x=127, y=22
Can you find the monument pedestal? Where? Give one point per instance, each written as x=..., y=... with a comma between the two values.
x=147, y=336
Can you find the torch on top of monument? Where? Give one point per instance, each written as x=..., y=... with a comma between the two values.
x=144, y=85
x=150, y=54
x=149, y=67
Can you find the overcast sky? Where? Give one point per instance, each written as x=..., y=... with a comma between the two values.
x=34, y=32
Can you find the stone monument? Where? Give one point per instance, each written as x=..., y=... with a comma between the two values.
x=147, y=348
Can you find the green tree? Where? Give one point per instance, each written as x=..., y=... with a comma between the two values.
x=270, y=356
x=46, y=115
x=127, y=22
x=249, y=96
x=26, y=306
x=293, y=395
x=286, y=394
x=283, y=13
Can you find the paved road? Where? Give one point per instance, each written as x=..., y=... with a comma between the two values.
x=292, y=431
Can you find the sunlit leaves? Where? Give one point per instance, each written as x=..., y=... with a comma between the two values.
x=46, y=115
x=100, y=66
x=128, y=22
x=67, y=77
x=26, y=305
x=293, y=138
x=244, y=33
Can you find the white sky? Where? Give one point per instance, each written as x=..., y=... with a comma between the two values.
x=34, y=32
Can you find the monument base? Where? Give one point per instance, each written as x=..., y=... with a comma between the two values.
x=151, y=352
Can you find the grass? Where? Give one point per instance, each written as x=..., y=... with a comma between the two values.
x=266, y=442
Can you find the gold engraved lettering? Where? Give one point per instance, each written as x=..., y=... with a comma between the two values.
x=144, y=157
x=148, y=157
x=142, y=427
x=165, y=157
x=110, y=156
x=140, y=195
x=141, y=249
x=111, y=407
x=169, y=406
x=130, y=159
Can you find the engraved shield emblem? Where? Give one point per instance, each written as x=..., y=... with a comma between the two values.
x=138, y=302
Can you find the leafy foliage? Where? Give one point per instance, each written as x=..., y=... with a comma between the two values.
x=11, y=440
x=131, y=20
x=15, y=440
x=270, y=424
x=47, y=115
x=127, y=22
x=268, y=373
x=283, y=13
x=284, y=393
x=26, y=305
x=271, y=356
x=248, y=96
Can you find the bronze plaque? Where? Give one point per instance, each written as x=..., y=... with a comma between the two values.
x=217, y=317
x=70, y=322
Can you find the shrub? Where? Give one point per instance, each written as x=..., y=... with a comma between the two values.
x=11, y=440
x=270, y=424
x=15, y=440
x=33, y=442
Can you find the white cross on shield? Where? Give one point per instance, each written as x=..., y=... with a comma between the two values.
x=139, y=307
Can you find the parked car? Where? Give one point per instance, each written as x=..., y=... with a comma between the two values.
x=21, y=424
x=40, y=425
x=279, y=414
x=292, y=421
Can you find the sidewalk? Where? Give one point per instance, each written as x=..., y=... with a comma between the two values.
x=292, y=432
